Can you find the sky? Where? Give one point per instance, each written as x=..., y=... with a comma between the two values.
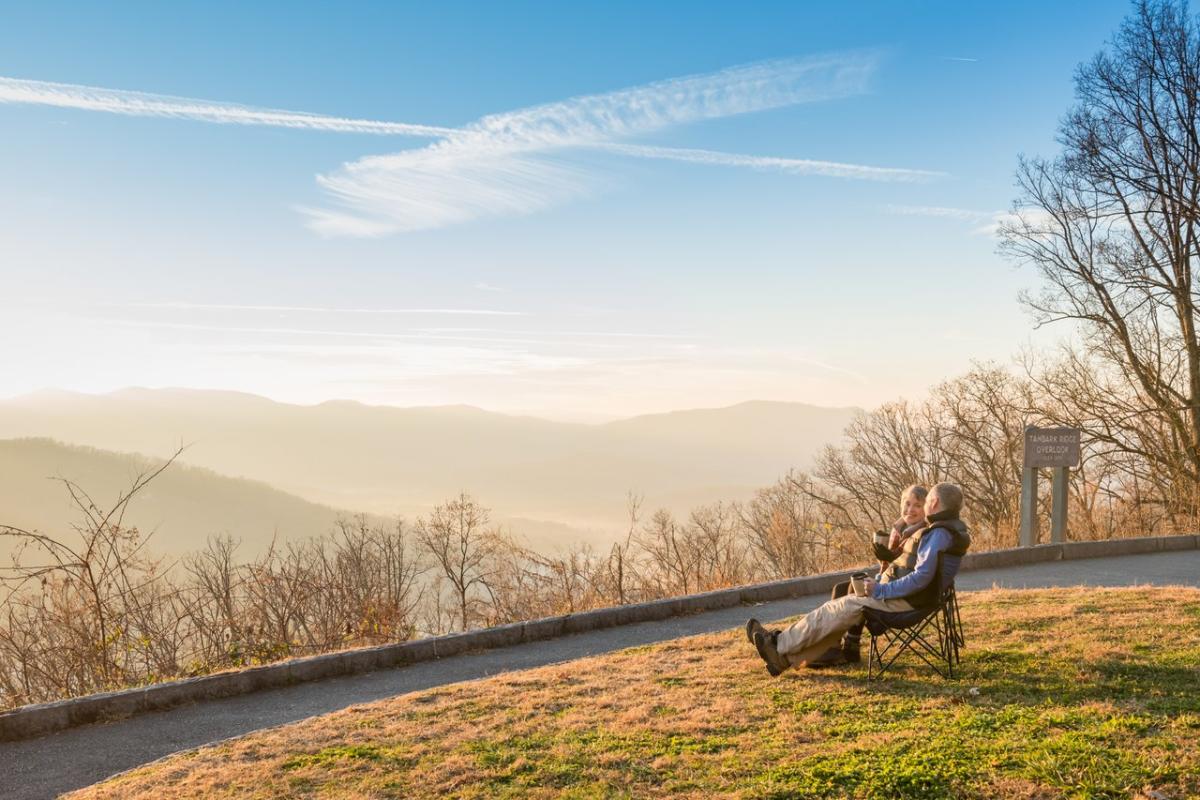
x=580, y=211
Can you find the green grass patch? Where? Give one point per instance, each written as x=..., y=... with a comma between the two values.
x=331, y=756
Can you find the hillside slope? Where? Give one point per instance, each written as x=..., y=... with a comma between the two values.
x=184, y=504
x=388, y=460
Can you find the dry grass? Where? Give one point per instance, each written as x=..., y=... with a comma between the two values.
x=1082, y=693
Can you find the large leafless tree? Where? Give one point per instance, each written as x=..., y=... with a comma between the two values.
x=1111, y=223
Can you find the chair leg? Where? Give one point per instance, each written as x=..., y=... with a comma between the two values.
x=949, y=637
x=917, y=640
x=958, y=626
x=943, y=655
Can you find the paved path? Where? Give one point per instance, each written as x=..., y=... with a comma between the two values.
x=60, y=762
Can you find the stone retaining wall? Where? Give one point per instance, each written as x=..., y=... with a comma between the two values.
x=36, y=720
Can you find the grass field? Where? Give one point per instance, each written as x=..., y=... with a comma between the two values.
x=1081, y=693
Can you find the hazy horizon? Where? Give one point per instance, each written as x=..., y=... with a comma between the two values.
x=560, y=482
x=569, y=419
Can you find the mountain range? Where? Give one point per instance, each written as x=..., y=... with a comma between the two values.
x=180, y=508
x=548, y=480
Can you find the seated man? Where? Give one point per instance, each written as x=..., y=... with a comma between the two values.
x=823, y=627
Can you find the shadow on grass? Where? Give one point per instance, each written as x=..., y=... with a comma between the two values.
x=1160, y=684
x=1040, y=725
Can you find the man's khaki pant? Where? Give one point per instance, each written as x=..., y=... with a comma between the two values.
x=822, y=628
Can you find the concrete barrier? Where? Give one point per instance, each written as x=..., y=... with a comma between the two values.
x=37, y=720
x=1013, y=557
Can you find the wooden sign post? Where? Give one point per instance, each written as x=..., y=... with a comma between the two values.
x=1058, y=449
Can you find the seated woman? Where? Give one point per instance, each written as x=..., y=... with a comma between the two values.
x=912, y=519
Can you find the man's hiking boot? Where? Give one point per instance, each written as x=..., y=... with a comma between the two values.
x=851, y=649
x=764, y=642
x=752, y=626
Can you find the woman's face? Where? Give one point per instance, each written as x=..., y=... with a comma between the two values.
x=914, y=509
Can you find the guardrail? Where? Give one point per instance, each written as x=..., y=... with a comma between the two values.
x=36, y=720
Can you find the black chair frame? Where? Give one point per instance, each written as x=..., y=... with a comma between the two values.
x=934, y=634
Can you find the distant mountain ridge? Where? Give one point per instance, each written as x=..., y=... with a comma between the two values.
x=389, y=460
x=184, y=505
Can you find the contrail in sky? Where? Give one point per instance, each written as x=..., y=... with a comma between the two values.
x=140, y=104
x=327, y=309
x=797, y=166
x=515, y=162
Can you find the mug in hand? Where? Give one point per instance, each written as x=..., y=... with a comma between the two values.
x=858, y=583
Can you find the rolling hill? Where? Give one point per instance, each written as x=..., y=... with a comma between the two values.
x=568, y=477
x=184, y=505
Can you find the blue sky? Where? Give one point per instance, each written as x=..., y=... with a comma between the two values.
x=574, y=279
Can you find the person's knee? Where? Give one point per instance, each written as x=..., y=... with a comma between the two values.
x=839, y=607
x=854, y=607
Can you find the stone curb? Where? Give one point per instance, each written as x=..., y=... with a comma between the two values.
x=37, y=720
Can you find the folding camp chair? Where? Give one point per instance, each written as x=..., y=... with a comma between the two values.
x=934, y=634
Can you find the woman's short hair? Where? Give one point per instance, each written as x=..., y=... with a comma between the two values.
x=915, y=491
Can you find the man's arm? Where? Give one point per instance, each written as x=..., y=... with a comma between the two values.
x=933, y=543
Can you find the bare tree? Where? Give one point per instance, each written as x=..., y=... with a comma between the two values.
x=97, y=612
x=722, y=551
x=456, y=537
x=896, y=445
x=787, y=528
x=672, y=561
x=618, y=575
x=982, y=416
x=1111, y=224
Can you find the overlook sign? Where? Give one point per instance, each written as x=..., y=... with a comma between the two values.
x=1057, y=448
x=1051, y=447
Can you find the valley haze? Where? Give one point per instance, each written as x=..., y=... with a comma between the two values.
x=253, y=466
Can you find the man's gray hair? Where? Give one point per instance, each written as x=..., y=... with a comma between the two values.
x=950, y=497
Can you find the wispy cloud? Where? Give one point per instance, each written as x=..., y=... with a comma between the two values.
x=520, y=161
x=960, y=58
x=795, y=166
x=558, y=333
x=944, y=212
x=496, y=340
x=326, y=333
x=986, y=223
x=141, y=104
x=328, y=309
x=515, y=162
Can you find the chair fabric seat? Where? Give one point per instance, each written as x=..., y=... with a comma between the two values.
x=880, y=621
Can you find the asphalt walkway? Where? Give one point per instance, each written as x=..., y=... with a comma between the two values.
x=60, y=762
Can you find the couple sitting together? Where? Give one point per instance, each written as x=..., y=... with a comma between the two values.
x=928, y=528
